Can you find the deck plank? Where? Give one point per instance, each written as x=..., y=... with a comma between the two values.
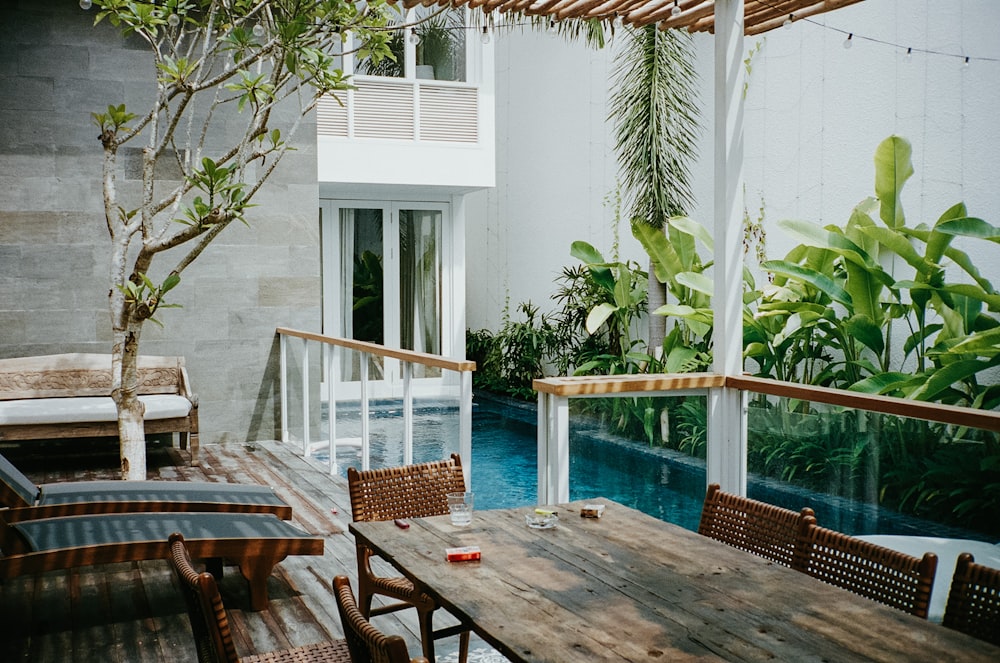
x=134, y=611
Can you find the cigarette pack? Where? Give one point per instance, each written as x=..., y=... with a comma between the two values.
x=464, y=554
x=592, y=511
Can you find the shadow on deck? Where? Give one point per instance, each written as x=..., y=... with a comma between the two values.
x=134, y=612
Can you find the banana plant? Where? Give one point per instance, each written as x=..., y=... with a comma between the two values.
x=836, y=298
x=624, y=285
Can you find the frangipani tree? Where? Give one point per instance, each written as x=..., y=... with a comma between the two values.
x=234, y=79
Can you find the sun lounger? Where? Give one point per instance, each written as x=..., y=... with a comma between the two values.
x=27, y=501
x=255, y=542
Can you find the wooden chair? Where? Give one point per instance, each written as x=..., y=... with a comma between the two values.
x=410, y=491
x=888, y=576
x=974, y=600
x=211, y=626
x=364, y=640
x=763, y=529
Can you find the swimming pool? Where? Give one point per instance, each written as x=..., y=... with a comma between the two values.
x=505, y=465
x=658, y=482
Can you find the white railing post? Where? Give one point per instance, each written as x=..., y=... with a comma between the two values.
x=364, y=412
x=331, y=405
x=283, y=360
x=407, y=414
x=465, y=424
x=305, y=398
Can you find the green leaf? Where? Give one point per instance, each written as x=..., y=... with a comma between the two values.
x=892, y=168
x=867, y=332
x=821, y=282
x=943, y=378
x=599, y=315
x=693, y=228
x=666, y=263
x=982, y=343
x=881, y=383
x=970, y=227
x=697, y=282
x=900, y=245
x=586, y=253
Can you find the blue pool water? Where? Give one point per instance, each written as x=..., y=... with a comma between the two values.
x=657, y=482
x=504, y=460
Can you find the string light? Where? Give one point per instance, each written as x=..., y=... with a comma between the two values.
x=849, y=41
x=173, y=20
x=617, y=21
x=788, y=22
x=86, y=4
x=485, y=36
x=676, y=9
x=258, y=30
x=909, y=55
x=414, y=37
x=965, y=65
x=552, y=26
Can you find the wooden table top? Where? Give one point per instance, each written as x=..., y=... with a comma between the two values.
x=629, y=587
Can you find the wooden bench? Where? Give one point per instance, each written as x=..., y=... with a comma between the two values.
x=69, y=395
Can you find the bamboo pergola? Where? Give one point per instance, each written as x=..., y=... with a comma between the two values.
x=692, y=15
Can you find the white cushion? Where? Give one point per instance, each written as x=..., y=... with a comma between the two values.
x=86, y=409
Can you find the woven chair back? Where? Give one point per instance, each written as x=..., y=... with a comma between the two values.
x=766, y=530
x=365, y=641
x=410, y=491
x=974, y=600
x=888, y=576
x=205, y=610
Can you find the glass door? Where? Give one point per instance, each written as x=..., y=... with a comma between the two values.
x=384, y=280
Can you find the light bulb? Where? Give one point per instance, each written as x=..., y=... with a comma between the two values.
x=552, y=27
x=617, y=21
x=485, y=37
x=676, y=9
x=965, y=65
x=414, y=37
x=173, y=20
x=787, y=24
x=849, y=41
x=258, y=30
x=909, y=54
x=86, y=4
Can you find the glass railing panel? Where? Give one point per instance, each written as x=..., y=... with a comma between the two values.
x=870, y=473
x=647, y=452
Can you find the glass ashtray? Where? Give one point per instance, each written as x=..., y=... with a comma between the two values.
x=541, y=520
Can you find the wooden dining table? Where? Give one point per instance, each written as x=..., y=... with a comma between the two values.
x=630, y=587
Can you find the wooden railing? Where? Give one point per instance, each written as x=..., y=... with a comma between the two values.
x=554, y=394
x=408, y=358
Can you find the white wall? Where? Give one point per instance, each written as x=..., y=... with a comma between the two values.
x=815, y=113
x=554, y=169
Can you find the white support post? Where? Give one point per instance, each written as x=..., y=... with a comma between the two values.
x=305, y=398
x=726, y=462
x=364, y=412
x=465, y=425
x=553, y=449
x=283, y=359
x=407, y=414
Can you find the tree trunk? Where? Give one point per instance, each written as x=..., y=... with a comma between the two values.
x=131, y=431
x=656, y=295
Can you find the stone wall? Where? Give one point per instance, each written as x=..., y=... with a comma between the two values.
x=56, y=68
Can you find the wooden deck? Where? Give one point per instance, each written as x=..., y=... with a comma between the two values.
x=134, y=612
